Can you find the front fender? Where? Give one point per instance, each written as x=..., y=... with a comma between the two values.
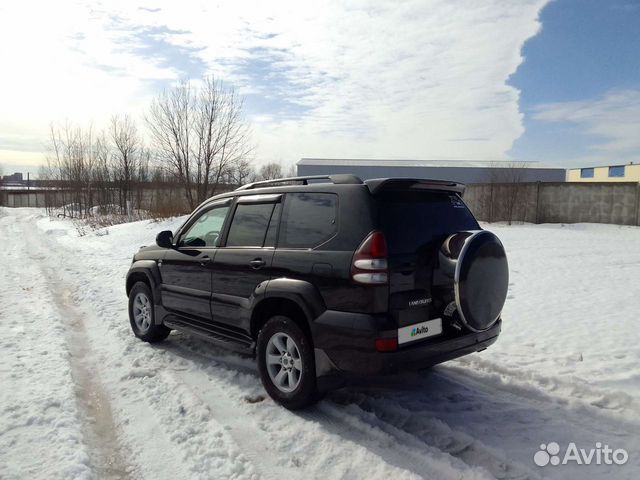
x=151, y=272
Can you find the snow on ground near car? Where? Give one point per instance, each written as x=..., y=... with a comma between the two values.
x=80, y=397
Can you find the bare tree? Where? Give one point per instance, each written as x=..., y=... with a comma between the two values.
x=72, y=160
x=169, y=122
x=200, y=134
x=291, y=170
x=223, y=136
x=270, y=171
x=242, y=172
x=126, y=142
x=273, y=170
x=102, y=171
x=511, y=175
x=143, y=175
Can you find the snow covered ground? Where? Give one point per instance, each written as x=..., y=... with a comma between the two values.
x=80, y=397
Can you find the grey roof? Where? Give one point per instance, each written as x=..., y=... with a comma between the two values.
x=361, y=162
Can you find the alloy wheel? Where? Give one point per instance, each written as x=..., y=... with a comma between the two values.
x=284, y=363
x=142, y=312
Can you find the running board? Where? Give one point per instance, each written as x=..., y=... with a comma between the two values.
x=221, y=336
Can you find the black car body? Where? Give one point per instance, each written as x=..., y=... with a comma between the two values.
x=380, y=276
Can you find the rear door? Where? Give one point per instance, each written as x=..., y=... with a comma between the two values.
x=243, y=263
x=415, y=224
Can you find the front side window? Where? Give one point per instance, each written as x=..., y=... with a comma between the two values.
x=309, y=219
x=586, y=173
x=249, y=225
x=617, y=171
x=206, y=229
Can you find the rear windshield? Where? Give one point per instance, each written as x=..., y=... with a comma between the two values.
x=415, y=220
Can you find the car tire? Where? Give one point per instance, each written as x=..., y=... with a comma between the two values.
x=142, y=315
x=291, y=381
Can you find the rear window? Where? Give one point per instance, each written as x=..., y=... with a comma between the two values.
x=309, y=219
x=414, y=220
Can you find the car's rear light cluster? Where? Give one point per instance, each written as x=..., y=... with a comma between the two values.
x=370, y=266
x=387, y=344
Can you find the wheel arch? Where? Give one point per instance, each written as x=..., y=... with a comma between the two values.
x=296, y=299
x=145, y=271
x=270, y=307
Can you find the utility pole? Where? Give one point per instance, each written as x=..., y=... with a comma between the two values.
x=28, y=194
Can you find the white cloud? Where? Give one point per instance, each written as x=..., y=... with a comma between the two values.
x=613, y=122
x=421, y=79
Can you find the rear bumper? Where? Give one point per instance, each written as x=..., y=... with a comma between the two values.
x=344, y=351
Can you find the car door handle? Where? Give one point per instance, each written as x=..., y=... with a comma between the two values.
x=257, y=263
x=205, y=260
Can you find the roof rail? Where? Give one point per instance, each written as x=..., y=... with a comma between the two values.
x=335, y=179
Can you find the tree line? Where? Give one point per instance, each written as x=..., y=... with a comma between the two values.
x=196, y=143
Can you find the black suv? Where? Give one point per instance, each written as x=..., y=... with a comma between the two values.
x=323, y=278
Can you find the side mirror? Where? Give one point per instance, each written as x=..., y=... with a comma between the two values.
x=165, y=239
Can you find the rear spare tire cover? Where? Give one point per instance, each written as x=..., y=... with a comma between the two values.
x=481, y=280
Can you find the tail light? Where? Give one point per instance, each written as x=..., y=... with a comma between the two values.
x=387, y=344
x=370, y=266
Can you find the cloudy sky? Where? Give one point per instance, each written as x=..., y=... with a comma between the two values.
x=556, y=82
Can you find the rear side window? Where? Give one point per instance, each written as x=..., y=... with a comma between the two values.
x=309, y=219
x=412, y=221
x=249, y=225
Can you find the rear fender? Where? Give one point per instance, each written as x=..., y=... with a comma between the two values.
x=304, y=294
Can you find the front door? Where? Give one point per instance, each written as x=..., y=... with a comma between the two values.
x=186, y=268
x=243, y=264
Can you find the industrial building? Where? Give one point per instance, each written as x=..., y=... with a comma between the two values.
x=607, y=173
x=16, y=178
x=464, y=171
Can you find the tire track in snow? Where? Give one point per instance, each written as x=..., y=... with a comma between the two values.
x=575, y=409
x=533, y=384
x=383, y=410
x=476, y=410
x=105, y=452
x=255, y=442
x=417, y=428
x=387, y=426
x=394, y=445
x=176, y=425
x=252, y=441
x=391, y=441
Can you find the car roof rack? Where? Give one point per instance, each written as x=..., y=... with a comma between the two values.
x=335, y=179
